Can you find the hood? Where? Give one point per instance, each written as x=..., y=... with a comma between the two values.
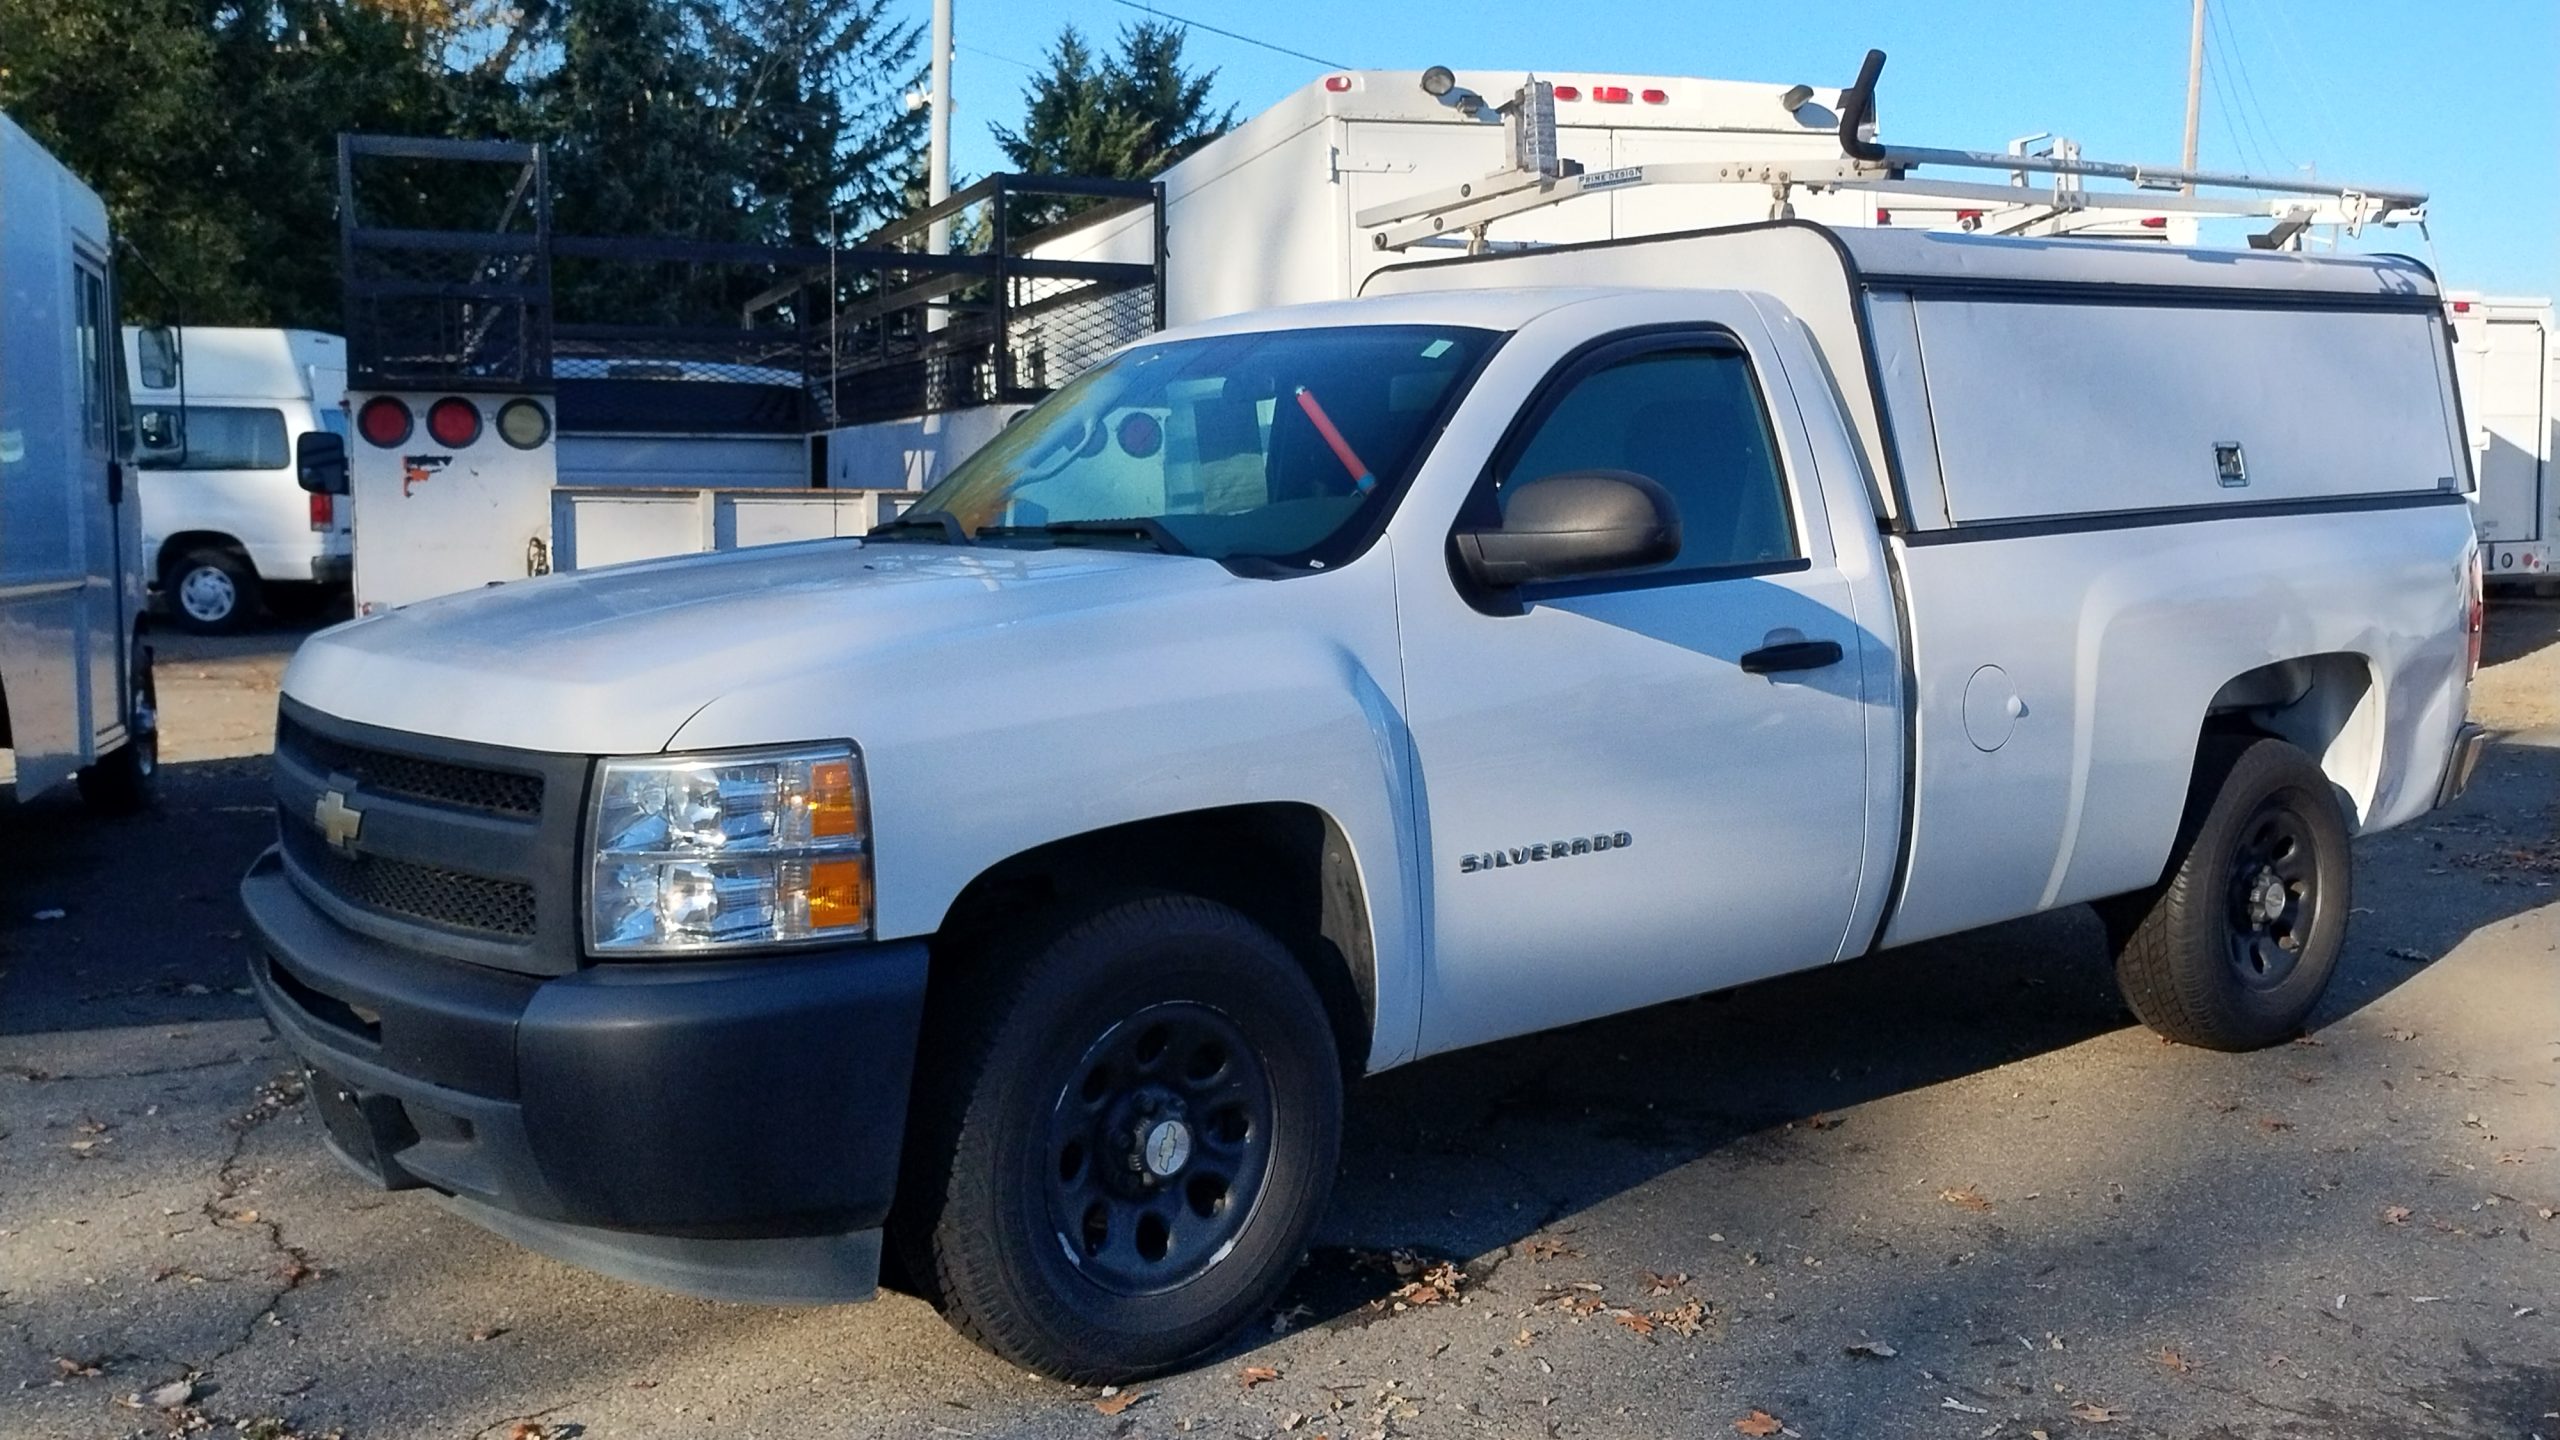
x=614, y=661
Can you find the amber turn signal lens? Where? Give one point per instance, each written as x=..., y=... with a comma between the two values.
x=839, y=894
x=833, y=813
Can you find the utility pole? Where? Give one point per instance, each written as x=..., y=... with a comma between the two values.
x=2195, y=87
x=937, y=181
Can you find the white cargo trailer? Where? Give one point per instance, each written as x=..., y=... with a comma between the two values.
x=75, y=677
x=2502, y=352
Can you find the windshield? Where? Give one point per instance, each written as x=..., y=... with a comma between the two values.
x=1287, y=447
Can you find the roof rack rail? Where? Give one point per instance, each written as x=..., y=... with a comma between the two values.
x=1535, y=181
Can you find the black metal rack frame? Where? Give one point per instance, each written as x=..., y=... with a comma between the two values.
x=879, y=329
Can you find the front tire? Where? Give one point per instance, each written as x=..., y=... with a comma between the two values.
x=2237, y=945
x=211, y=591
x=1132, y=1128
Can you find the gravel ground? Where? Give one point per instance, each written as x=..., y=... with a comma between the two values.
x=2034, y=1217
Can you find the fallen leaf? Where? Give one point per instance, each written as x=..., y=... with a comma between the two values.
x=1758, y=1422
x=1658, y=1283
x=1113, y=1404
x=71, y=1369
x=491, y=1332
x=1874, y=1348
x=1641, y=1324
x=1824, y=1122
x=2095, y=1414
x=2403, y=1036
x=1968, y=1197
x=1950, y=1402
x=2174, y=1360
x=528, y=1430
x=2524, y=1310
x=2273, y=1123
x=2395, y=1214
x=1546, y=1247
x=1253, y=1375
x=1688, y=1319
x=169, y=1396
x=2414, y=957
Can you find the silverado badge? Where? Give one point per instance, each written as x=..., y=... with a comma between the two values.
x=1543, y=850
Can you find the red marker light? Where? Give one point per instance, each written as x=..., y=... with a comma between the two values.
x=1964, y=216
x=384, y=421
x=322, y=512
x=2461, y=307
x=453, y=422
x=2155, y=222
x=1883, y=216
x=1568, y=92
x=1657, y=97
x=1612, y=94
x=1337, y=83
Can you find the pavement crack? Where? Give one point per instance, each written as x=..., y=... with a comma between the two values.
x=293, y=1266
x=34, y=1076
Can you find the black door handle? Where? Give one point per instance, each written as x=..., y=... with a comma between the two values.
x=1795, y=655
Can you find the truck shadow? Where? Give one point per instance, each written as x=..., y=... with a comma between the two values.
x=2518, y=626
x=1465, y=1156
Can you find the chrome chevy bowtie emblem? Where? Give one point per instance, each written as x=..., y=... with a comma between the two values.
x=338, y=821
x=1168, y=1147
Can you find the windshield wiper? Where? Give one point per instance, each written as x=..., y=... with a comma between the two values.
x=945, y=526
x=1136, y=527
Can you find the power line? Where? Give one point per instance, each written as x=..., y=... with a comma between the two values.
x=2248, y=86
x=1232, y=35
x=2244, y=146
x=991, y=55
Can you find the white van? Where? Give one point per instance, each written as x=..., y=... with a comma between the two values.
x=224, y=526
x=75, y=677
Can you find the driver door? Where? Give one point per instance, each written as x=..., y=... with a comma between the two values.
x=1623, y=802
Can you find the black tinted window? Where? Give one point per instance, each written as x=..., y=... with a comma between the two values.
x=1692, y=420
x=217, y=437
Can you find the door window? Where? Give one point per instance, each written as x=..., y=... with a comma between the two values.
x=215, y=437
x=1690, y=419
x=97, y=352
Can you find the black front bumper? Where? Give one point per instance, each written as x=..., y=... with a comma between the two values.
x=723, y=1128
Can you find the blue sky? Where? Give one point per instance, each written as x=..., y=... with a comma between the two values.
x=2457, y=97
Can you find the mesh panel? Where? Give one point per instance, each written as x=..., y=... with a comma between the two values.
x=417, y=892
x=411, y=777
x=1056, y=329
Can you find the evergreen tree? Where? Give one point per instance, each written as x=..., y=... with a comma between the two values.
x=1125, y=116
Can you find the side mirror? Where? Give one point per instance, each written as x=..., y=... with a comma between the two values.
x=1582, y=522
x=320, y=463
x=156, y=357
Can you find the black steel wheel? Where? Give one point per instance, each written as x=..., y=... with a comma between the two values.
x=1127, y=1128
x=1159, y=1143
x=2236, y=946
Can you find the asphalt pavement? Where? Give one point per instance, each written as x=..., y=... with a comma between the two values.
x=1950, y=1191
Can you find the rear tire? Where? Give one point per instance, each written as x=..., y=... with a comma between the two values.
x=120, y=783
x=211, y=591
x=1131, y=1129
x=2235, y=948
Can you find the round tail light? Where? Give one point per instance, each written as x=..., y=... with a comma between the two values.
x=524, y=423
x=454, y=422
x=384, y=421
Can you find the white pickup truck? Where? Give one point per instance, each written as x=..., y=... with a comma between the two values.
x=1307, y=692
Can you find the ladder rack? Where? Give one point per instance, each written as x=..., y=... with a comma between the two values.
x=1538, y=178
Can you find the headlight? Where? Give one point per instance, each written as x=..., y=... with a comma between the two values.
x=750, y=847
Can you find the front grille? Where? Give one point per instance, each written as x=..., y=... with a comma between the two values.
x=503, y=908
x=413, y=777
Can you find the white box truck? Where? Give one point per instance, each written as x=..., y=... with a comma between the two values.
x=1306, y=691
x=76, y=696
x=2510, y=382
x=225, y=527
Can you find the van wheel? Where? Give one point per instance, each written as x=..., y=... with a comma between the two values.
x=120, y=783
x=211, y=591
x=2235, y=948
x=1128, y=1136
